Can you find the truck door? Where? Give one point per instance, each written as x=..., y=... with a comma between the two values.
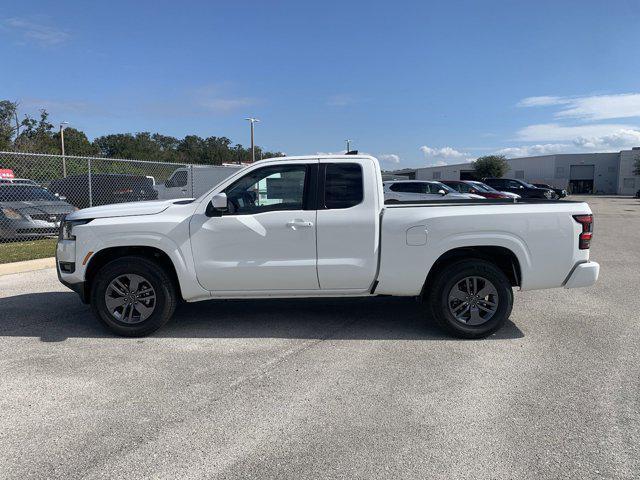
x=348, y=223
x=266, y=240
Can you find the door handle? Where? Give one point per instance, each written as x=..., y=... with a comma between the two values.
x=295, y=224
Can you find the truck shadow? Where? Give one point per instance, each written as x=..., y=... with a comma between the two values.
x=57, y=316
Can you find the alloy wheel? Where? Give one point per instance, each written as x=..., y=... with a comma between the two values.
x=130, y=298
x=473, y=300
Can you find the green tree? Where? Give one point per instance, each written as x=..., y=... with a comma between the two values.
x=8, y=124
x=37, y=135
x=75, y=143
x=491, y=166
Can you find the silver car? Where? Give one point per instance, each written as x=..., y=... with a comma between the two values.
x=30, y=211
x=415, y=190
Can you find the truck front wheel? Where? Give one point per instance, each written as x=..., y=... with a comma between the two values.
x=470, y=298
x=132, y=296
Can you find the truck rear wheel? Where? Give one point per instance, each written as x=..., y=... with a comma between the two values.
x=470, y=298
x=132, y=296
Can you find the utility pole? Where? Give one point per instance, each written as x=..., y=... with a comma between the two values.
x=348, y=145
x=252, y=120
x=63, y=125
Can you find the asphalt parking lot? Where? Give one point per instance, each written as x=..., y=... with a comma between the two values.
x=329, y=388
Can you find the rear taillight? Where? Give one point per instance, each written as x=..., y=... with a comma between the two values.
x=584, y=239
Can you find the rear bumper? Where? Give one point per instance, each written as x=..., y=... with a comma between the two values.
x=583, y=275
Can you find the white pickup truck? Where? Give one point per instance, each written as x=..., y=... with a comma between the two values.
x=318, y=227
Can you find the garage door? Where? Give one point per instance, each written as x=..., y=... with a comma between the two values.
x=582, y=172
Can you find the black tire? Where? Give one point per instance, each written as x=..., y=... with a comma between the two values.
x=438, y=297
x=164, y=301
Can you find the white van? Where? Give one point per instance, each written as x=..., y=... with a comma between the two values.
x=181, y=185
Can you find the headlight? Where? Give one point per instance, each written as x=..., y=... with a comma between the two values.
x=66, y=228
x=11, y=213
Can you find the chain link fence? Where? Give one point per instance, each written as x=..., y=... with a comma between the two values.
x=37, y=190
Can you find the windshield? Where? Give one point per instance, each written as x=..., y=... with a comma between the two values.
x=484, y=187
x=25, y=193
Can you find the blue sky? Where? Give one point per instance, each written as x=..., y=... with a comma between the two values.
x=416, y=83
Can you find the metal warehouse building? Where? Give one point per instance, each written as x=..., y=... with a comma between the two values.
x=607, y=173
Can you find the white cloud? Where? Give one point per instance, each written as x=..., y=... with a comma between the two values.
x=603, y=140
x=533, y=150
x=621, y=139
x=555, y=132
x=340, y=100
x=443, y=156
x=593, y=107
x=37, y=33
x=543, y=101
x=445, y=152
x=226, y=104
x=62, y=106
x=215, y=98
x=389, y=157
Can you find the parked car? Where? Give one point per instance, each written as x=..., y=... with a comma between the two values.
x=476, y=188
x=519, y=187
x=321, y=229
x=106, y=188
x=560, y=192
x=413, y=190
x=30, y=211
x=17, y=181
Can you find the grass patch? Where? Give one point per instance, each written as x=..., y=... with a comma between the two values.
x=19, y=251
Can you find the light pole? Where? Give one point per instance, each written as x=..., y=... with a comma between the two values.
x=63, y=125
x=253, y=149
x=348, y=145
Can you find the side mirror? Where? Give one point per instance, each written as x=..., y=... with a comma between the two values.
x=520, y=187
x=442, y=192
x=217, y=205
x=473, y=191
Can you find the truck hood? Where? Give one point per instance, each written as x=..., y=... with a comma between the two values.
x=125, y=209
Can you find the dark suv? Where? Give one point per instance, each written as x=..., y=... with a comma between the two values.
x=522, y=188
x=106, y=188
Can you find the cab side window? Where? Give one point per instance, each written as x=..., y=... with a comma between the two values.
x=280, y=187
x=343, y=185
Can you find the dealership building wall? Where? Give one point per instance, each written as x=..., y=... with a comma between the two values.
x=607, y=173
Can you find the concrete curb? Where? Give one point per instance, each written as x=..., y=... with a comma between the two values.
x=27, y=266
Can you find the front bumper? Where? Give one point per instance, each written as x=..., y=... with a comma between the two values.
x=79, y=287
x=70, y=277
x=583, y=275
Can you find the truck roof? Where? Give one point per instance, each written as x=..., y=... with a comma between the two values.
x=315, y=157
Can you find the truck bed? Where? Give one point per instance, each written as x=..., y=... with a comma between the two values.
x=541, y=234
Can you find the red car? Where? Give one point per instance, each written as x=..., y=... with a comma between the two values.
x=472, y=186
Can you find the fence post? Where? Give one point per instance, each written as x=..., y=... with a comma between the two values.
x=191, y=175
x=89, y=177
